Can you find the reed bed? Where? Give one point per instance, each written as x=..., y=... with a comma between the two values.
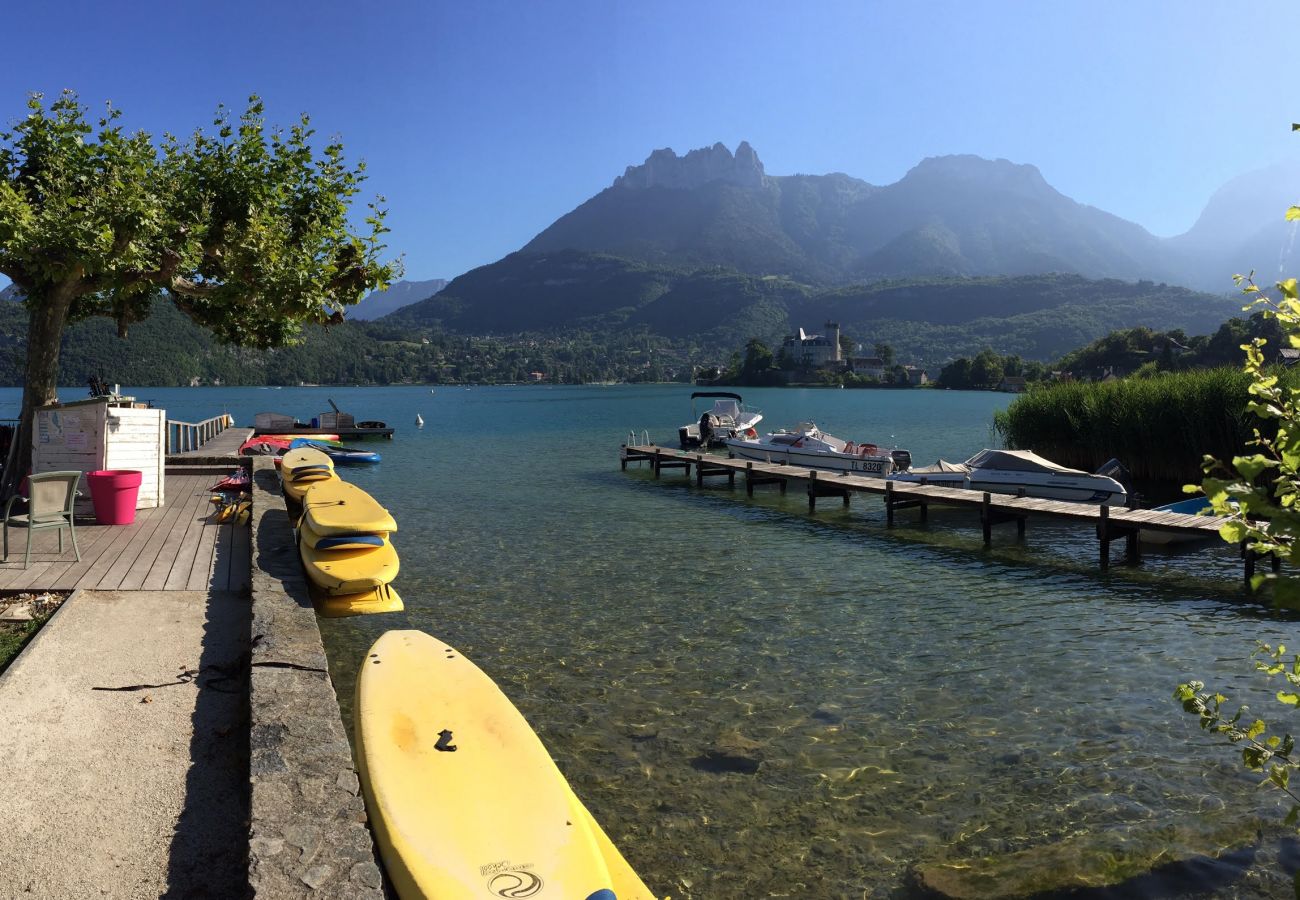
x=1160, y=428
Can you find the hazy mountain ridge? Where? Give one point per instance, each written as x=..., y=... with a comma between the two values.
x=1039, y=316
x=403, y=293
x=950, y=215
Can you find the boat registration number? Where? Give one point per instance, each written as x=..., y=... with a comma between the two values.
x=870, y=466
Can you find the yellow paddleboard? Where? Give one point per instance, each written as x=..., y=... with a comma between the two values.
x=464, y=800
x=382, y=599
x=337, y=507
x=303, y=457
x=358, y=540
x=349, y=571
x=302, y=468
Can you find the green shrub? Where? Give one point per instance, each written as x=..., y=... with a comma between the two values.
x=1160, y=428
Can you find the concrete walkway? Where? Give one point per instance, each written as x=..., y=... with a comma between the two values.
x=128, y=793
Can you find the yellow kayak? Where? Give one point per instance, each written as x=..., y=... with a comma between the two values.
x=337, y=507
x=382, y=599
x=464, y=800
x=349, y=571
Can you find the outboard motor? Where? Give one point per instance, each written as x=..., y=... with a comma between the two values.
x=1117, y=470
x=706, y=430
x=902, y=460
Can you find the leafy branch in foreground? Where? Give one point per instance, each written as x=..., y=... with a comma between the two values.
x=1259, y=500
x=1271, y=754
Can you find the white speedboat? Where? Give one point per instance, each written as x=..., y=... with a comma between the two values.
x=808, y=445
x=728, y=418
x=1009, y=471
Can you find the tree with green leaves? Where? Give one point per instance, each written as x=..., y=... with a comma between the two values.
x=885, y=354
x=1259, y=497
x=245, y=231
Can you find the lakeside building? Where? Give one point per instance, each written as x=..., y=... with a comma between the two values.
x=814, y=351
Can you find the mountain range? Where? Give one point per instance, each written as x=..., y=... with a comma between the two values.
x=402, y=293
x=709, y=244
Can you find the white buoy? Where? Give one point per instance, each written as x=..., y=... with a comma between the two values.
x=419, y=421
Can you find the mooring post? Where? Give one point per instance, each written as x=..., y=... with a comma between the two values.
x=731, y=479
x=986, y=515
x=812, y=490
x=699, y=470
x=925, y=510
x=1103, y=536
x=622, y=462
x=749, y=479
x=1132, y=547
x=889, y=503
x=654, y=463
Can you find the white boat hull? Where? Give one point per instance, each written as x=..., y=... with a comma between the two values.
x=878, y=466
x=1076, y=489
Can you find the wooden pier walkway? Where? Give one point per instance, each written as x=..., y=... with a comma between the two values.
x=176, y=547
x=1110, y=523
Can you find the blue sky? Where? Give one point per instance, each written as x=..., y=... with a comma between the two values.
x=482, y=122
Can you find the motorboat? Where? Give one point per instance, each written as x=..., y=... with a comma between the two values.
x=807, y=445
x=1014, y=471
x=1192, y=506
x=727, y=418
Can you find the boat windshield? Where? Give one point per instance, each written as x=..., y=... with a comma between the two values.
x=726, y=409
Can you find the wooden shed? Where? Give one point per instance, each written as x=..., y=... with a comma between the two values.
x=90, y=435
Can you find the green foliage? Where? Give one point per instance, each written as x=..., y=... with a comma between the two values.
x=1127, y=350
x=987, y=370
x=1257, y=497
x=14, y=637
x=924, y=320
x=1268, y=753
x=246, y=232
x=1160, y=428
x=167, y=349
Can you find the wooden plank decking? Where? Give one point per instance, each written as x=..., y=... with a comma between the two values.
x=175, y=547
x=225, y=444
x=1109, y=523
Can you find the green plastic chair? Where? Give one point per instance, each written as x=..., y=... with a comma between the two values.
x=50, y=500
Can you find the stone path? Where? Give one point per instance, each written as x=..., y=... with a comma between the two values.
x=136, y=793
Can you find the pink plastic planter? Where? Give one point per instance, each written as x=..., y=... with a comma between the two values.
x=113, y=493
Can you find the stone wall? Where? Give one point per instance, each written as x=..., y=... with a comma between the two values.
x=307, y=834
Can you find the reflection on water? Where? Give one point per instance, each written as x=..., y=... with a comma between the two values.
x=757, y=702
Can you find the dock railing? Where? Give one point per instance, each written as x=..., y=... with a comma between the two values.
x=183, y=437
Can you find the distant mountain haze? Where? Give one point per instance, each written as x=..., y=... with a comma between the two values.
x=930, y=320
x=381, y=303
x=1243, y=228
x=951, y=215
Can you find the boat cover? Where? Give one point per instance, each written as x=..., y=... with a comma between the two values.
x=940, y=467
x=1017, y=461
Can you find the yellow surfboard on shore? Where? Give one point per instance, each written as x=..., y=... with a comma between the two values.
x=464, y=800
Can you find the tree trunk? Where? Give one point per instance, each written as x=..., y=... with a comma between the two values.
x=45, y=322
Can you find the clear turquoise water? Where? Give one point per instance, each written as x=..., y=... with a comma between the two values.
x=910, y=695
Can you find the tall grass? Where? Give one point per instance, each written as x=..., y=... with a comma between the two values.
x=1160, y=427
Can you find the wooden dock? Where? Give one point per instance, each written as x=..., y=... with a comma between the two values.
x=1110, y=523
x=176, y=547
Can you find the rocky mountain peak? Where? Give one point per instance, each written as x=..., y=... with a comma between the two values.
x=965, y=167
x=664, y=168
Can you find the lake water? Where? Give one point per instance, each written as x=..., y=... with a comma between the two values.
x=908, y=696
